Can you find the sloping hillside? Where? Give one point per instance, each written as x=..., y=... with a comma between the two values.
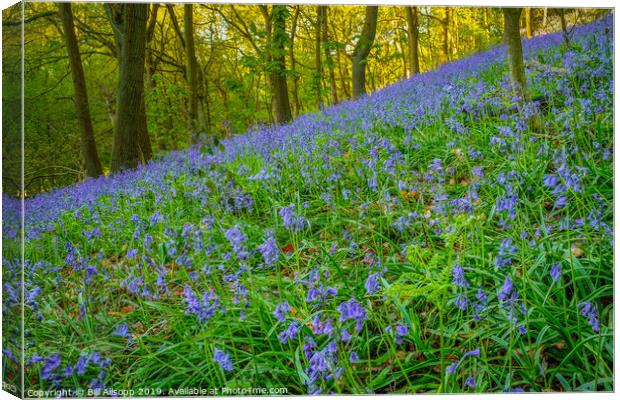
x=422, y=239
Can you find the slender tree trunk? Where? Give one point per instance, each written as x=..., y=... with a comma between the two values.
x=318, y=73
x=277, y=76
x=413, y=33
x=362, y=50
x=131, y=143
x=562, y=13
x=528, y=22
x=328, y=55
x=446, y=33
x=192, y=69
x=150, y=31
x=512, y=37
x=291, y=53
x=80, y=95
x=207, y=104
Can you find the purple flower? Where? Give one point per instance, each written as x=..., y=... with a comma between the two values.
x=470, y=382
x=270, y=251
x=556, y=271
x=590, y=311
x=281, y=310
x=472, y=353
x=353, y=357
x=292, y=221
x=352, y=310
x=461, y=302
x=237, y=240
x=223, y=359
x=401, y=330
x=372, y=283
x=121, y=330
x=451, y=369
x=507, y=291
x=289, y=333
x=458, y=276
x=51, y=363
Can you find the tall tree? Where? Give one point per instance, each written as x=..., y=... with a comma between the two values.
x=291, y=55
x=528, y=22
x=276, y=66
x=512, y=37
x=328, y=55
x=131, y=142
x=565, y=33
x=446, y=33
x=362, y=50
x=192, y=69
x=317, y=57
x=413, y=33
x=80, y=95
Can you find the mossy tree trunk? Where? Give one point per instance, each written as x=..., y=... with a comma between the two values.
x=192, y=70
x=276, y=66
x=362, y=50
x=512, y=38
x=413, y=42
x=131, y=141
x=90, y=157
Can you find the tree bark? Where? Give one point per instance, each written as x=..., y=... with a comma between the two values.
x=512, y=37
x=90, y=157
x=528, y=22
x=328, y=56
x=131, y=142
x=296, y=105
x=446, y=33
x=362, y=50
x=192, y=70
x=562, y=13
x=318, y=73
x=150, y=32
x=276, y=63
x=412, y=31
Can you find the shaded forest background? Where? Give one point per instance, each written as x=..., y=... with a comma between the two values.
x=213, y=71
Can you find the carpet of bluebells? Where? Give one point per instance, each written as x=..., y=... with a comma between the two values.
x=422, y=239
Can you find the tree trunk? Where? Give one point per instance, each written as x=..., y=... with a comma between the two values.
x=87, y=136
x=318, y=73
x=192, y=72
x=296, y=105
x=278, y=39
x=328, y=56
x=131, y=142
x=362, y=50
x=150, y=31
x=412, y=30
x=528, y=22
x=446, y=33
x=512, y=37
x=562, y=13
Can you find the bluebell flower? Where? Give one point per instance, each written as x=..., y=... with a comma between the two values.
x=270, y=251
x=281, y=310
x=289, y=333
x=458, y=276
x=590, y=311
x=352, y=310
x=556, y=271
x=223, y=359
x=372, y=283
